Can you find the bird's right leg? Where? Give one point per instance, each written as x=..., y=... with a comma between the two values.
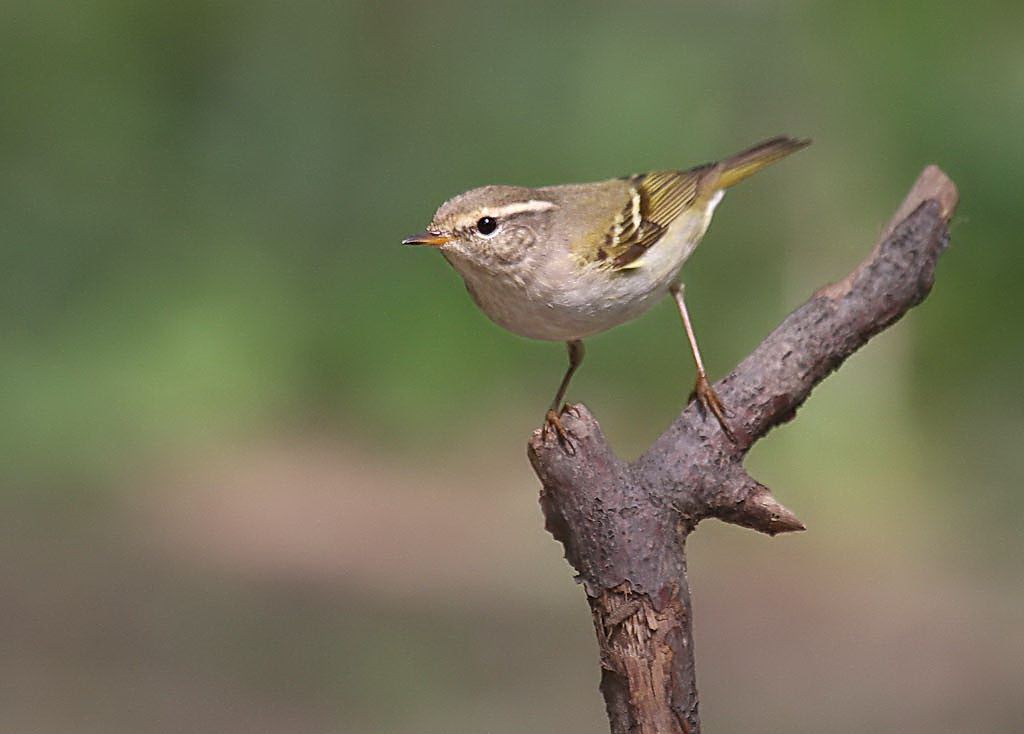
x=551, y=420
x=702, y=391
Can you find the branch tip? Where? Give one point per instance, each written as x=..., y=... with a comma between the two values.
x=932, y=185
x=780, y=519
x=754, y=507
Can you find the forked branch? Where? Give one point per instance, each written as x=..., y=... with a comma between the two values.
x=624, y=525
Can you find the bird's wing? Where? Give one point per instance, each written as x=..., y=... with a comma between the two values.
x=653, y=201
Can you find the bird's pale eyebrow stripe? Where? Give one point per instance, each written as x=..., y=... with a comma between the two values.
x=517, y=207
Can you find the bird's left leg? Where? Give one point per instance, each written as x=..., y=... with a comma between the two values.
x=702, y=390
x=551, y=420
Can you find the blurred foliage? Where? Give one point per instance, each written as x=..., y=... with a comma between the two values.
x=201, y=205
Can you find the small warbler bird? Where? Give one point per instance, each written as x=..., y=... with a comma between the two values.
x=562, y=263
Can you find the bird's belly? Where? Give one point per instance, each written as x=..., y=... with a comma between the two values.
x=591, y=305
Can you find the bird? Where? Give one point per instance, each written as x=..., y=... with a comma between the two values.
x=566, y=262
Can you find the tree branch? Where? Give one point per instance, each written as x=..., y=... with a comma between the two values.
x=624, y=525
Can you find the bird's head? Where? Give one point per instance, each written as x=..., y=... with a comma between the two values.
x=492, y=227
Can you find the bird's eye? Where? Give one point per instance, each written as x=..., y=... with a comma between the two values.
x=486, y=225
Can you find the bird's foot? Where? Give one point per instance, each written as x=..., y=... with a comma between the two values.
x=709, y=401
x=553, y=422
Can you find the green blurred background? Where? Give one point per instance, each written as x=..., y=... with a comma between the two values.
x=263, y=468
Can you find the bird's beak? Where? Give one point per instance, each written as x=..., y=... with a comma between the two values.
x=426, y=238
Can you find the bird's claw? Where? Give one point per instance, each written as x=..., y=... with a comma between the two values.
x=709, y=401
x=553, y=422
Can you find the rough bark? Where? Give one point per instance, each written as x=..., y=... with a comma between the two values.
x=624, y=525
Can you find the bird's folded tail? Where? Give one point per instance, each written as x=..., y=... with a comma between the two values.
x=735, y=168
